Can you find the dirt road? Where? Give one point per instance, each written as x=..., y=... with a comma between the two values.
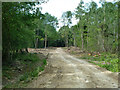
x=66, y=71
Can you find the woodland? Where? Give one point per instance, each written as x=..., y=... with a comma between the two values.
x=97, y=29
x=25, y=26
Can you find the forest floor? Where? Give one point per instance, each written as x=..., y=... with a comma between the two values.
x=66, y=71
x=23, y=68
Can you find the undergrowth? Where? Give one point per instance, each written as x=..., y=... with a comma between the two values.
x=105, y=60
x=33, y=64
x=26, y=57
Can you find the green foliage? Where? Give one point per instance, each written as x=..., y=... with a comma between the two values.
x=95, y=31
x=7, y=75
x=26, y=57
x=24, y=77
x=25, y=60
x=105, y=60
x=46, y=30
x=41, y=68
x=18, y=31
x=44, y=62
x=29, y=75
x=66, y=18
x=23, y=29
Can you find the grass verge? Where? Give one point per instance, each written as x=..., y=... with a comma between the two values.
x=104, y=60
x=23, y=69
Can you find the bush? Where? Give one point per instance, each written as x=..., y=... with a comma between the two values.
x=41, y=68
x=24, y=77
x=27, y=57
x=44, y=62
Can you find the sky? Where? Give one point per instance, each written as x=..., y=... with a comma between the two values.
x=57, y=7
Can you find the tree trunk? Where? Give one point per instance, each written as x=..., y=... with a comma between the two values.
x=45, y=40
x=98, y=42
x=21, y=51
x=74, y=41
x=103, y=44
x=66, y=41
x=36, y=43
x=82, y=40
x=17, y=51
x=26, y=50
x=74, y=38
x=103, y=30
x=87, y=39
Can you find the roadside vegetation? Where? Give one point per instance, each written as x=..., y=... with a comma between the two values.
x=105, y=60
x=95, y=36
x=23, y=69
x=25, y=26
x=23, y=29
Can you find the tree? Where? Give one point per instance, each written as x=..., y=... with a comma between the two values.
x=18, y=29
x=67, y=20
x=49, y=21
x=79, y=15
x=96, y=27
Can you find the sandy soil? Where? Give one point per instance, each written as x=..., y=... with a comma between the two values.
x=66, y=71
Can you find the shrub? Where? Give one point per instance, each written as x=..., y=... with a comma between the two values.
x=44, y=62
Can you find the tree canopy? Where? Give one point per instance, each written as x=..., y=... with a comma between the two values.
x=97, y=26
x=24, y=26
